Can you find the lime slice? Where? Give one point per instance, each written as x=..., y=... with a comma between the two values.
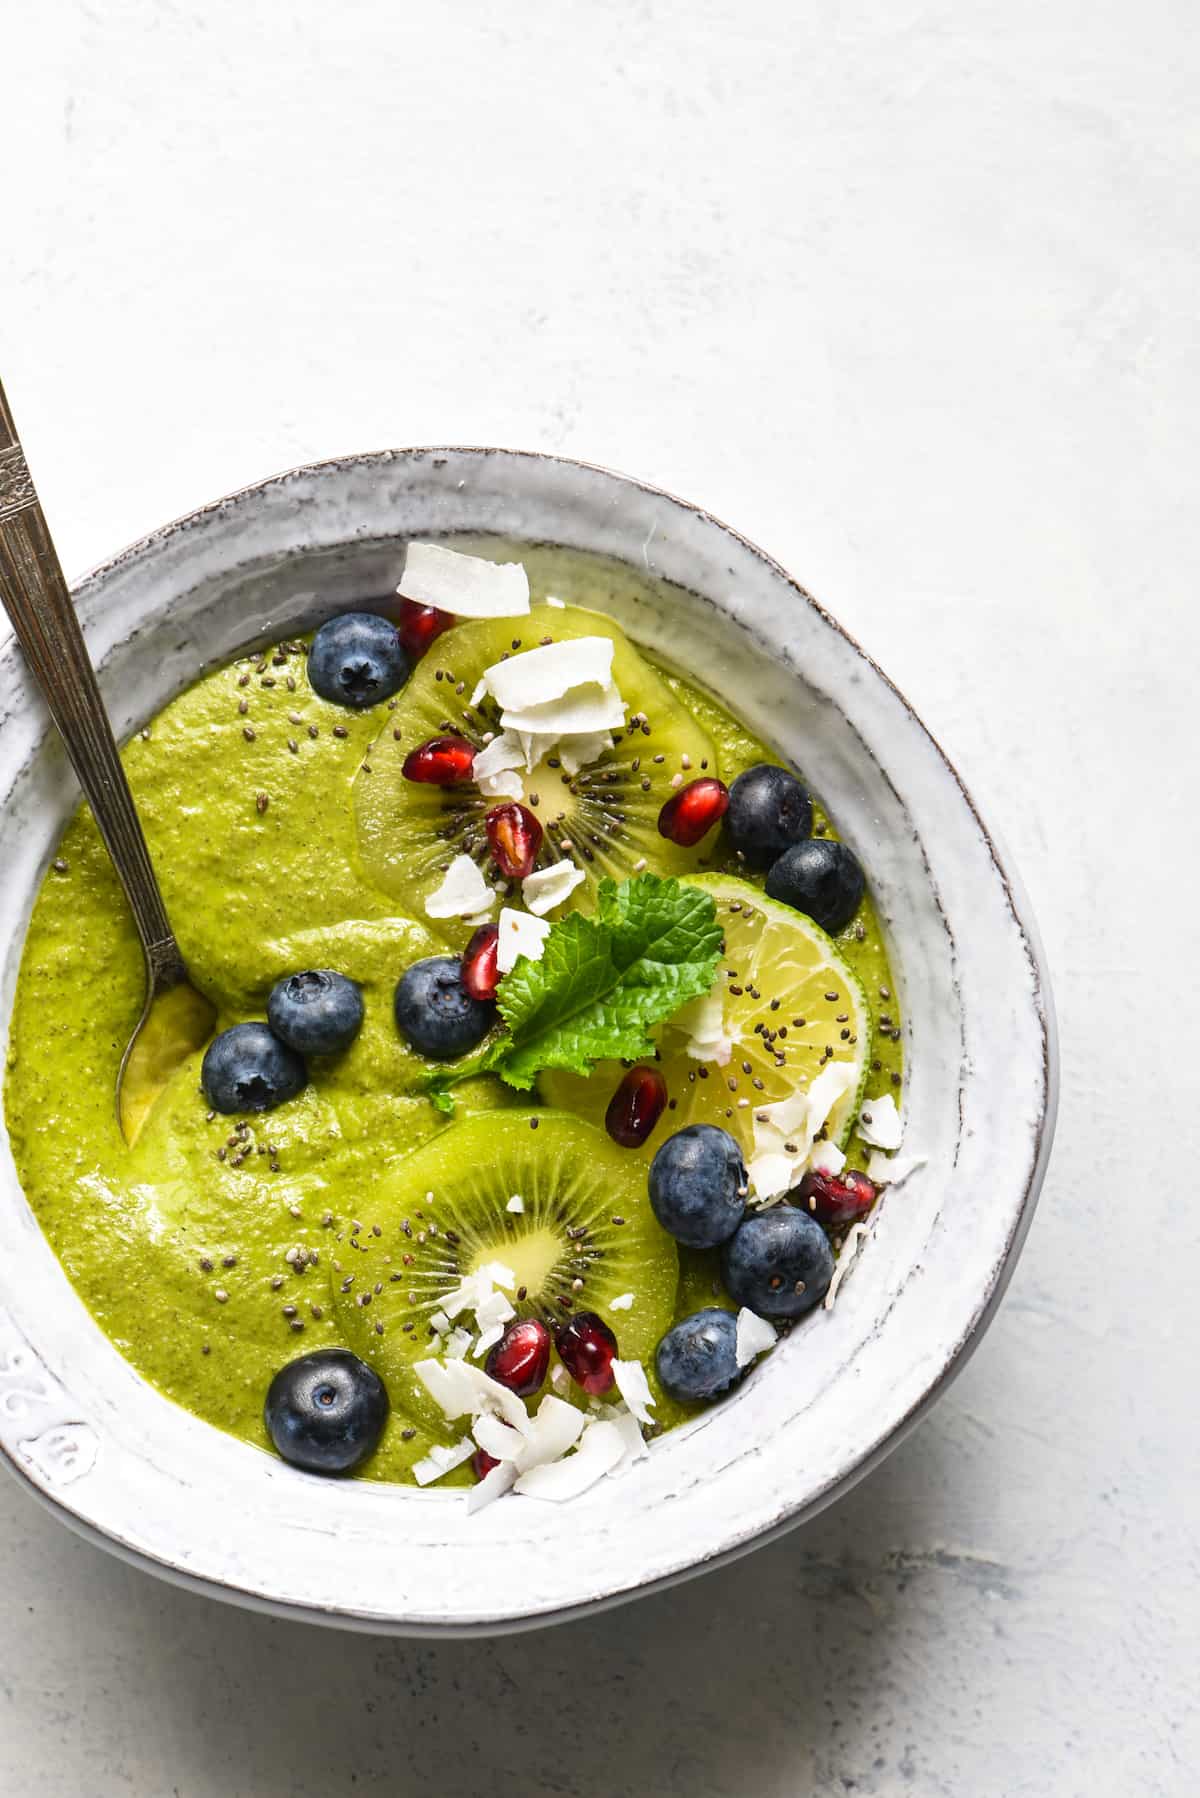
x=784, y=1007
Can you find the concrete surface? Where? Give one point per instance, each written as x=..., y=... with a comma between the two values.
x=934, y=262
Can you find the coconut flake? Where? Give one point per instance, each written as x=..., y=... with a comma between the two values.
x=466, y=1295
x=493, y=769
x=534, y=745
x=703, y=1020
x=827, y=1158
x=497, y=1439
x=457, y=1344
x=479, y=1292
x=516, y=1203
x=754, y=1337
x=600, y=1449
x=622, y=1303
x=634, y=1388
x=633, y=1440
x=547, y=674
x=771, y=1175
x=771, y=1178
x=463, y=892
x=831, y=1084
x=499, y=1274
x=560, y=605
x=579, y=752
x=890, y=1170
x=494, y=1484
x=555, y=1429
x=784, y=1133
x=440, y=1461
x=494, y=1309
x=461, y=1390
x=548, y=887
x=520, y=934
x=581, y=712
x=787, y=1117
x=441, y=1323
x=444, y=1383
x=879, y=1123
x=469, y=586
x=856, y=1236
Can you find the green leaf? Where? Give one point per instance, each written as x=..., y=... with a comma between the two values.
x=601, y=983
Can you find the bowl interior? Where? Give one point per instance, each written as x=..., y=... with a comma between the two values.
x=131, y=1468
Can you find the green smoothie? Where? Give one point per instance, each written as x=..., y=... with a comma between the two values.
x=184, y=1247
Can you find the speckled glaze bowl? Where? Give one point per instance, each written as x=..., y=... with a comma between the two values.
x=130, y=1470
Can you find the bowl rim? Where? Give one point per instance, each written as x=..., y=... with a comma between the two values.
x=992, y=1288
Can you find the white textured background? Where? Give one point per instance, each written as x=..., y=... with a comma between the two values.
x=907, y=291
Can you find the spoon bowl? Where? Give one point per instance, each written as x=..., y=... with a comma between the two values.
x=176, y=1021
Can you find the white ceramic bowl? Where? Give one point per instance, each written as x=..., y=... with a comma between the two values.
x=132, y=1471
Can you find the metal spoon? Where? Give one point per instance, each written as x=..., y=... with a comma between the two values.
x=176, y=1019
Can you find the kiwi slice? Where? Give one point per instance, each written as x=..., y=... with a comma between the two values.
x=584, y=1236
x=604, y=818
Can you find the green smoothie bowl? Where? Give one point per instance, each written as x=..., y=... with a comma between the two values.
x=633, y=1072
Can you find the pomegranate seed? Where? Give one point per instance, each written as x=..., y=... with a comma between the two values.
x=515, y=837
x=836, y=1201
x=521, y=1357
x=442, y=762
x=418, y=625
x=480, y=975
x=691, y=813
x=482, y=1463
x=636, y=1107
x=586, y=1347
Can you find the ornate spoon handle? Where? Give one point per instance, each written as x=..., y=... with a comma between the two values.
x=35, y=596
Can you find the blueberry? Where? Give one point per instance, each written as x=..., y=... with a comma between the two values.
x=247, y=1068
x=357, y=660
x=698, y=1186
x=317, y=1012
x=697, y=1358
x=821, y=878
x=778, y=1262
x=435, y=1011
x=326, y=1411
x=768, y=811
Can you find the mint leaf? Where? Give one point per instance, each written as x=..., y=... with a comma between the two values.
x=601, y=983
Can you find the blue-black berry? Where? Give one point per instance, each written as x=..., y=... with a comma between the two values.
x=698, y=1186
x=821, y=878
x=317, y=1012
x=778, y=1263
x=326, y=1411
x=769, y=811
x=697, y=1358
x=436, y=1013
x=357, y=660
x=248, y=1068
